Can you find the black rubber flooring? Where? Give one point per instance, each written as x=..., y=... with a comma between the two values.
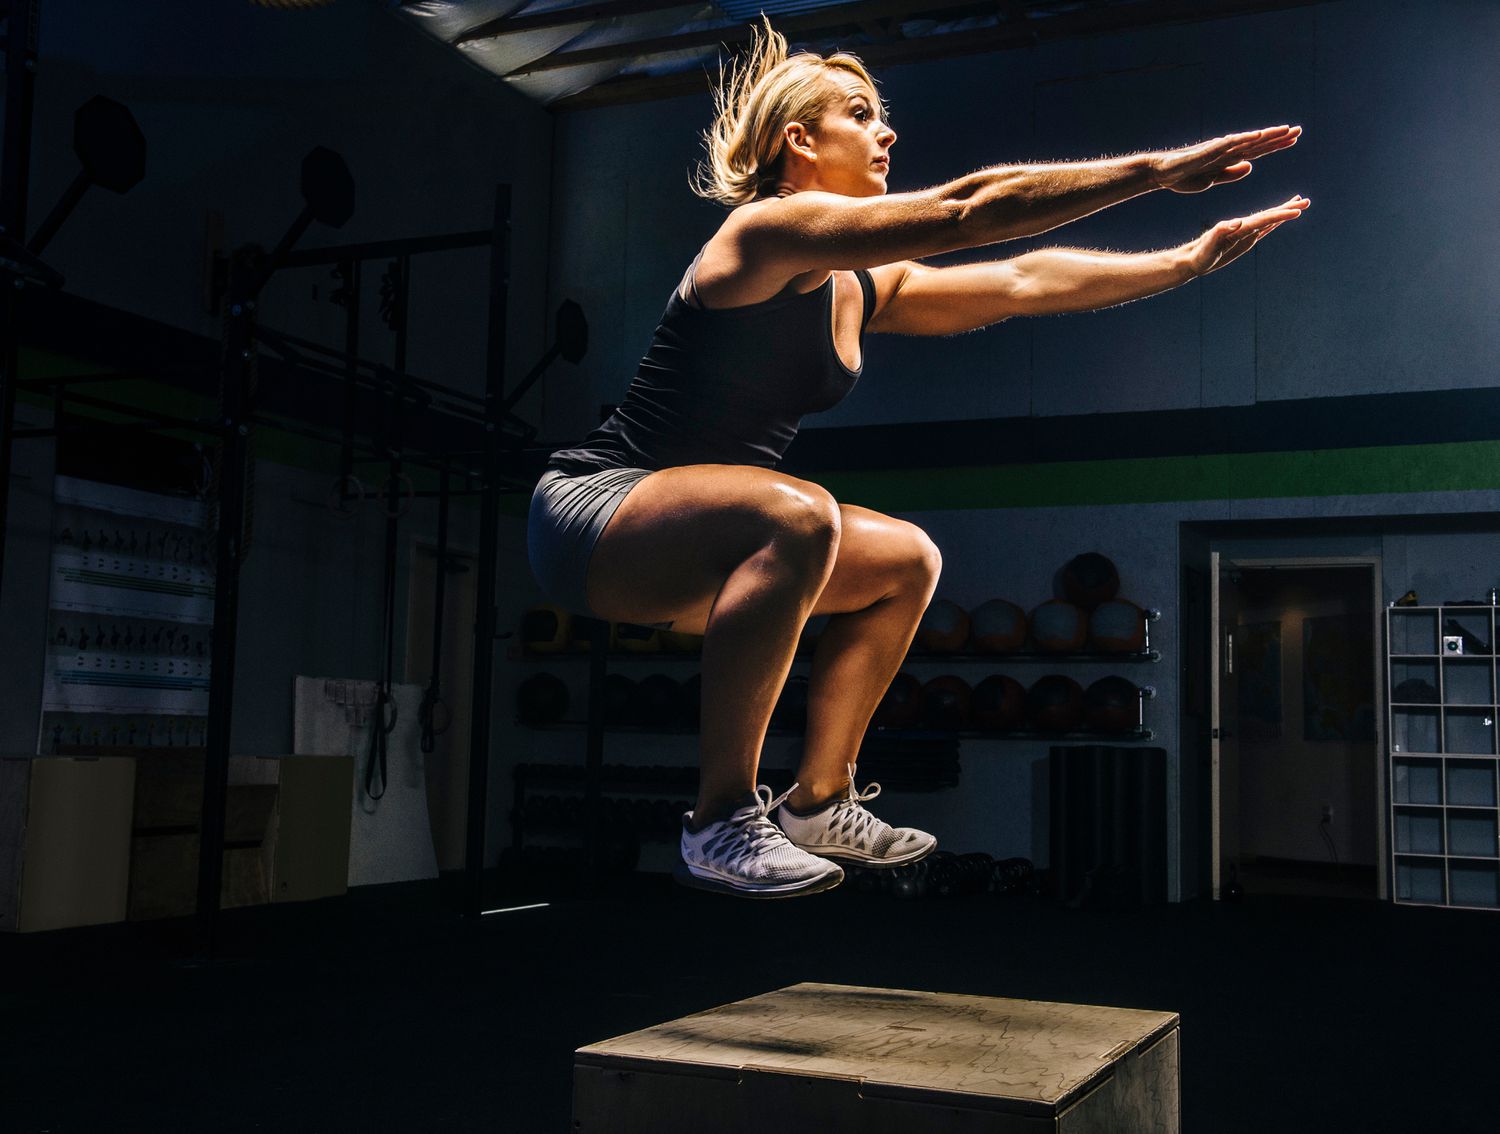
x=384, y=1011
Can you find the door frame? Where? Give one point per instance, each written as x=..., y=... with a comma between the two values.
x=1218, y=563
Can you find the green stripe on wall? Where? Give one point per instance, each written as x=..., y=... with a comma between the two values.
x=1153, y=480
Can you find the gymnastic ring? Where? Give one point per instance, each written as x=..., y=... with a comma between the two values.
x=337, y=496
x=403, y=505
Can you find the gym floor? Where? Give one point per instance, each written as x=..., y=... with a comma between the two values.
x=385, y=1011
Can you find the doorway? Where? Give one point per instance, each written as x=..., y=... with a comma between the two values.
x=1298, y=795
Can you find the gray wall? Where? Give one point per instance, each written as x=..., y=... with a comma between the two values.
x=1386, y=286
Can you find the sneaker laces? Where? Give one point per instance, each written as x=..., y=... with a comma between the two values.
x=751, y=826
x=849, y=813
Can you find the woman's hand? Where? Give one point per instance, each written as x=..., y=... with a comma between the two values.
x=1217, y=161
x=1230, y=239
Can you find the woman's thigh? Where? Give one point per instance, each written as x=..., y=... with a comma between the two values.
x=666, y=551
x=879, y=556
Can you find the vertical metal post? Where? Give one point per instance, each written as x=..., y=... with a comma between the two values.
x=485, y=614
x=22, y=20
x=593, y=769
x=234, y=454
x=351, y=371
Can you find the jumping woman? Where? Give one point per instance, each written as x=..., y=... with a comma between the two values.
x=672, y=511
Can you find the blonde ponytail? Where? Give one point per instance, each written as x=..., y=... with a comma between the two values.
x=753, y=101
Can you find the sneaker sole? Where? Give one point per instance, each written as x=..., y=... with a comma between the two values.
x=684, y=876
x=843, y=856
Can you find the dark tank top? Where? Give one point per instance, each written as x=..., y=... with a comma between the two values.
x=726, y=386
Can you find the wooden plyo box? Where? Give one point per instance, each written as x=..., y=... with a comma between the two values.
x=827, y=1057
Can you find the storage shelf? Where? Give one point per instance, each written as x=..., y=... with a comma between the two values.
x=1457, y=821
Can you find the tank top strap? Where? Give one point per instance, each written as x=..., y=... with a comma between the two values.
x=867, y=286
x=692, y=281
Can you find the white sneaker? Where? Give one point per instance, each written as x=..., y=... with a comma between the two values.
x=749, y=855
x=844, y=831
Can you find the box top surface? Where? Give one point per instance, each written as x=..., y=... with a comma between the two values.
x=1028, y=1051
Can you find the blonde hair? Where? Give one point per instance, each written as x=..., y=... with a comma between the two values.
x=753, y=102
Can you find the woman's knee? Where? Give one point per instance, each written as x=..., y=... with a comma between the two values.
x=806, y=522
x=923, y=561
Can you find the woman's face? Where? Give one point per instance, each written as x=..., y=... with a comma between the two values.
x=851, y=142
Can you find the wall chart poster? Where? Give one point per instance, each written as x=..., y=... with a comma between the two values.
x=130, y=614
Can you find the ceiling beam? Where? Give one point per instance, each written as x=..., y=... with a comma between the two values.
x=824, y=20
x=1006, y=36
x=578, y=14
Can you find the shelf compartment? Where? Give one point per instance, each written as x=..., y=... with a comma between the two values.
x=1472, y=626
x=1473, y=834
x=1469, y=783
x=1415, y=730
x=1414, y=682
x=1417, y=781
x=1466, y=681
x=1419, y=831
x=1474, y=884
x=1469, y=732
x=1419, y=881
x=1413, y=631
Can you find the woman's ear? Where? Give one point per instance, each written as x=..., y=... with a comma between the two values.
x=798, y=140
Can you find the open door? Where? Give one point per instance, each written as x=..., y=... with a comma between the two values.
x=1224, y=837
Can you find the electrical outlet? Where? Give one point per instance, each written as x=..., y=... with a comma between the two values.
x=1327, y=813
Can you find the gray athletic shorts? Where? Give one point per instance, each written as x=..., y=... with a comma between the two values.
x=568, y=513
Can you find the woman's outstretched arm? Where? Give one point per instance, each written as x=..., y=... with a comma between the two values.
x=912, y=299
x=807, y=231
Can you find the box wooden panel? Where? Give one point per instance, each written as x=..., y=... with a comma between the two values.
x=886, y=1061
x=64, y=841
x=286, y=831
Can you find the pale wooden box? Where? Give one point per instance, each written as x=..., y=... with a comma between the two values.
x=827, y=1057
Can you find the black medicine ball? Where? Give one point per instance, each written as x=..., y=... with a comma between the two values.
x=999, y=703
x=1112, y=704
x=1090, y=579
x=1055, y=703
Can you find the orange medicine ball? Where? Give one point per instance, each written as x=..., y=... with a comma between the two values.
x=944, y=628
x=997, y=627
x=1118, y=627
x=1059, y=627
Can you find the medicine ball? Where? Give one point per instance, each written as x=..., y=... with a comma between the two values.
x=1055, y=704
x=999, y=703
x=901, y=706
x=633, y=639
x=791, y=706
x=676, y=642
x=619, y=698
x=1112, y=704
x=542, y=699
x=1059, y=627
x=546, y=630
x=1090, y=579
x=997, y=627
x=655, y=701
x=946, y=703
x=689, y=712
x=944, y=628
x=1117, y=627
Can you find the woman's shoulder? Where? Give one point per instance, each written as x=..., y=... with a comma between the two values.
x=728, y=271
